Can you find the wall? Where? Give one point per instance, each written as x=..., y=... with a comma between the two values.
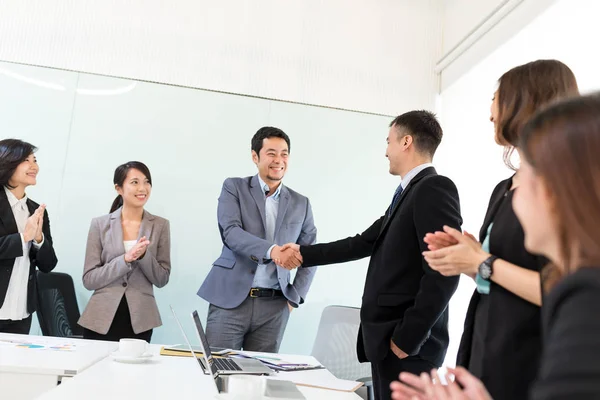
x=85, y=125
x=461, y=17
x=357, y=55
x=566, y=31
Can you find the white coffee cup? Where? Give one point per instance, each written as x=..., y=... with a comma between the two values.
x=132, y=347
x=248, y=385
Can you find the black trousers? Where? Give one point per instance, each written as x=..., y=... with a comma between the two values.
x=387, y=370
x=120, y=328
x=21, y=326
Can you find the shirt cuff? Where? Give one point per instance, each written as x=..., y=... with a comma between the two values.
x=23, y=243
x=38, y=245
x=268, y=255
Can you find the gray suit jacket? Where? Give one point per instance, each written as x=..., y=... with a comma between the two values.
x=241, y=217
x=110, y=277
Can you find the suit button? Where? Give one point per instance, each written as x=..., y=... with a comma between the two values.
x=124, y=284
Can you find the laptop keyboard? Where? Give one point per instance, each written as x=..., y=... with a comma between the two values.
x=225, y=364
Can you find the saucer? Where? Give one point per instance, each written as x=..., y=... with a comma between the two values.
x=116, y=356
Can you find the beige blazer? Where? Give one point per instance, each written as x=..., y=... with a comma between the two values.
x=110, y=277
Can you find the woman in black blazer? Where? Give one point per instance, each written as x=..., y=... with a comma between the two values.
x=558, y=205
x=25, y=240
x=501, y=342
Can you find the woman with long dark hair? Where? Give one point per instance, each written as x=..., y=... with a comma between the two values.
x=25, y=240
x=128, y=253
x=501, y=342
x=558, y=205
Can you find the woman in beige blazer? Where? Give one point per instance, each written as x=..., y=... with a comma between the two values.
x=128, y=253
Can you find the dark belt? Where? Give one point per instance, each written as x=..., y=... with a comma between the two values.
x=260, y=292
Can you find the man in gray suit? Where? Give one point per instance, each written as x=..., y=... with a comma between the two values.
x=250, y=297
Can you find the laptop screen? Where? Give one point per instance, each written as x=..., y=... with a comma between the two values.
x=204, y=343
x=212, y=369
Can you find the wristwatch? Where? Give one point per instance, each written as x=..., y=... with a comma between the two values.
x=486, y=268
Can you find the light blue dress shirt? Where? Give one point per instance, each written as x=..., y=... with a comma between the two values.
x=266, y=274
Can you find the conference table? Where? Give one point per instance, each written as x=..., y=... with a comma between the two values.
x=32, y=365
x=85, y=370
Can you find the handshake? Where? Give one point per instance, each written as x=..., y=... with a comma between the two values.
x=287, y=256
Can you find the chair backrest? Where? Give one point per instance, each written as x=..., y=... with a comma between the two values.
x=57, y=308
x=335, y=344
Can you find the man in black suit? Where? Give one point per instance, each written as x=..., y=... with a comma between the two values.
x=404, y=313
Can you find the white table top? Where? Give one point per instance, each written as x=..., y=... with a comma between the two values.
x=161, y=377
x=47, y=361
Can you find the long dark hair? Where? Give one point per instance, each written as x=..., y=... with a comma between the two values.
x=525, y=89
x=12, y=153
x=561, y=144
x=121, y=175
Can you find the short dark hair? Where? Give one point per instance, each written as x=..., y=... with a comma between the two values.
x=268, y=132
x=12, y=153
x=424, y=127
x=121, y=175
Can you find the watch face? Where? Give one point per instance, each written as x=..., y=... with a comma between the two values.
x=485, y=271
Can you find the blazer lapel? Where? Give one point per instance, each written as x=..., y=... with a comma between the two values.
x=31, y=206
x=147, y=226
x=493, y=208
x=284, y=199
x=259, y=198
x=116, y=232
x=420, y=175
x=6, y=214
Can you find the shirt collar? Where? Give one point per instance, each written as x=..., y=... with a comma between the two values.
x=265, y=188
x=412, y=173
x=12, y=199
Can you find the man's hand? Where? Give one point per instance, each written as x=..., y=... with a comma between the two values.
x=290, y=306
x=399, y=353
x=287, y=256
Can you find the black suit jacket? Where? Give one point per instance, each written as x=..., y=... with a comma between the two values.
x=403, y=299
x=503, y=329
x=11, y=247
x=571, y=328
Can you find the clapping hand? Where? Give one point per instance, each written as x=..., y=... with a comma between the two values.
x=464, y=256
x=431, y=388
x=439, y=240
x=287, y=256
x=33, y=227
x=38, y=233
x=138, y=250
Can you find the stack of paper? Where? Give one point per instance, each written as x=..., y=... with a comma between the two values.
x=318, y=379
x=180, y=350
x=278, y=364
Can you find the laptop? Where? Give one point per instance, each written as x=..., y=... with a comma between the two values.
x=221, y=366
x=273, y=388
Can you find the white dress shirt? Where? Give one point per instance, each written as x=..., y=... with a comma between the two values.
x=15, y=303
x=412, y=173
